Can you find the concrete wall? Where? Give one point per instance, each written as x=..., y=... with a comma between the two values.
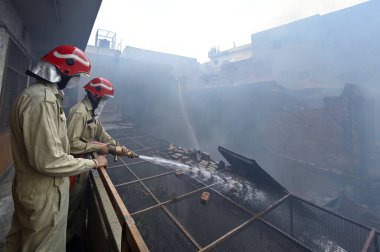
x=6, y=204
x=103, y=230
x=6, y=157
x=327, y=51
x=4, y=38
x=11, y=27
x=241, y=55
x=323, y=51
x=179, y=66
x=232, y=55
x=12, y=23
x=146, y=92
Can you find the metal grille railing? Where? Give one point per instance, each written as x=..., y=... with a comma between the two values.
x=168, y=213
x=160, y=233
x=317, y=228
x=259, y=236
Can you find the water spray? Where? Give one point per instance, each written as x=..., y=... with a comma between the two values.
x=241, y=189
x=164, y=162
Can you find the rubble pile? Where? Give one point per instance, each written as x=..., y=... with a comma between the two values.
x=194, y=158
x=203, y=168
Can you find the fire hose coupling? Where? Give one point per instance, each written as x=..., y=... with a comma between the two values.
x=115, y=150
x=118, y=151
x=132, y=154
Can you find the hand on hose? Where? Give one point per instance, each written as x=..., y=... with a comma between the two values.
x=102, y=148
x=100, y=161
x=125, y=150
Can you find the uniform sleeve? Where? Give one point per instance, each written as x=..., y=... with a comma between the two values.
x=43, y=143
x=103, y=136
x=75, y=125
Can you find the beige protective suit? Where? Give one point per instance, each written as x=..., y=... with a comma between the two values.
x=82, y=129
x=41, y=186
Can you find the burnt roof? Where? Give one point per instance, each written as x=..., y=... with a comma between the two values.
x=168, y=210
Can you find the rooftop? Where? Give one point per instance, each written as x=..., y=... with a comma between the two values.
x=242, y=213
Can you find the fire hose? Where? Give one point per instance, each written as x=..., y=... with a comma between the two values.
x=115, y=150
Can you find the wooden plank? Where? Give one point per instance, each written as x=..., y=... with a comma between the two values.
x=369, y=241
x=131, y=240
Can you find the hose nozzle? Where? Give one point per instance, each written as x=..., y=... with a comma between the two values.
x=132, y=154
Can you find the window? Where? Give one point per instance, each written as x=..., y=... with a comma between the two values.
x=14, y=81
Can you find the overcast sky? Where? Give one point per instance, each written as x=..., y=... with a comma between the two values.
x=191, y=28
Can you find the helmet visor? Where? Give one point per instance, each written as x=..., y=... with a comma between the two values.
x=101, y=105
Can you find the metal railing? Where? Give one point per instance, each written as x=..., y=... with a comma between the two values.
x=131, y=237
x=288, y=224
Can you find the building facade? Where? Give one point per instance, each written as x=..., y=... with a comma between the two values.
x=235, y=54
x=322, y=50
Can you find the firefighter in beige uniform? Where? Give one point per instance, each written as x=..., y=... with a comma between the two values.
x=40, y=151
x=87, y=135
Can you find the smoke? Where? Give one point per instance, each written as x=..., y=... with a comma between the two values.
x=288, y=108
x=190, y=130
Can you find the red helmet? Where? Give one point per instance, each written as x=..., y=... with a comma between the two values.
x=70, y=60
x=100, y=87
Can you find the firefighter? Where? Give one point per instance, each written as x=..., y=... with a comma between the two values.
x=87, y=135
x=40, y=152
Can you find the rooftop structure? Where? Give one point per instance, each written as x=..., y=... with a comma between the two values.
x=105, y=39
x=235, y=54
x=164, y=206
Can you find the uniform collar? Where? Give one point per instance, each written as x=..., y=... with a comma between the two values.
x=54, y=89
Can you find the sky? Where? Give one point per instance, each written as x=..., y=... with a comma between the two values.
x=191, y=28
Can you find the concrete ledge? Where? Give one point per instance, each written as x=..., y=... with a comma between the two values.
x=6, y=204
x=111, y=229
